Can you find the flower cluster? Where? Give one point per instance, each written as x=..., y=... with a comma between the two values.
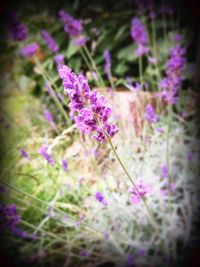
x=107, y=65
x=29, y=50
x=174, y=71
x=136, y=195
x=89, y=108
x=150, y=114
x=9, y=220
x=44, y=152
x=72, y=26
x=50, y=42
x=17, y=31
x=140, y=36
x=101, y=198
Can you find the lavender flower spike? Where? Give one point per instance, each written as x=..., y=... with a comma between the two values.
x=150, y=114
x=49, y=117
x=101, y=198
x=23, y=153
x=91, y=113
x=72, y=26
x=17, y=31
x=107, y=65
x=59, y=59
x=29, y=50
x=50, y=42
x=44, y=152
x=138, y=32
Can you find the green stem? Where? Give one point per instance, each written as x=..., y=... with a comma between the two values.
x=48, y=204
x=169, y=118
x=94, y=65
x=88, y=64
x=153, y=221
x=57, y=102
x=140, y=71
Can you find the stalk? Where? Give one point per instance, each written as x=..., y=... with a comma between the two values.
x=94, y=65
x=152, y=219
x=57, y=102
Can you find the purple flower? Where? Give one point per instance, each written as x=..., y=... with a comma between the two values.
x=80, y=41
x=44, y=152
x=72, y=26
x=50, y=42
x=177, y=37
x=9, y=218
x=136, y=195
x=152, y=60
x=48, y=116
x=17, y=31
x=174, y=74
x=107, y=65
x=150, y=114
x=23, y=153
x=141, y=50
x=138, y=32
x=59, y=59
x=130, y=261
x=65, y=165
x=164, y=171
x=84, y=253
x=89, y=108
x=101, y=198
x=29, y=50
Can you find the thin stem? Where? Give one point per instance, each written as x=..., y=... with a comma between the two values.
x=54, y=96
x=140, y=71
x=169, y=118
x=154, y=223
x=49, y=205
x=93, y=64
x=88, y=64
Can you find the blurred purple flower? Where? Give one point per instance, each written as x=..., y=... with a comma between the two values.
x=81, y=41
x=152, y=60
x=49, y=117
x=101, y=198
x=150, y=114
x=92, y=112
x=23, y=153
x=29, y=50
x=107, y=65
x=164, y=171
x=136, y=195
x=141, y=50
x=72, y=26
x=59, y=59
x=84, y=253
x=138, y=32
x=50, y=42
x=174, y=74
x=17, y=31
x=65, y=165
x=9, y=219
x=177, y=37
x=44, y=152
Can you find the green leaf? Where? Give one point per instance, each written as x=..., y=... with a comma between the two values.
x=71, y=50
x=127, y=53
